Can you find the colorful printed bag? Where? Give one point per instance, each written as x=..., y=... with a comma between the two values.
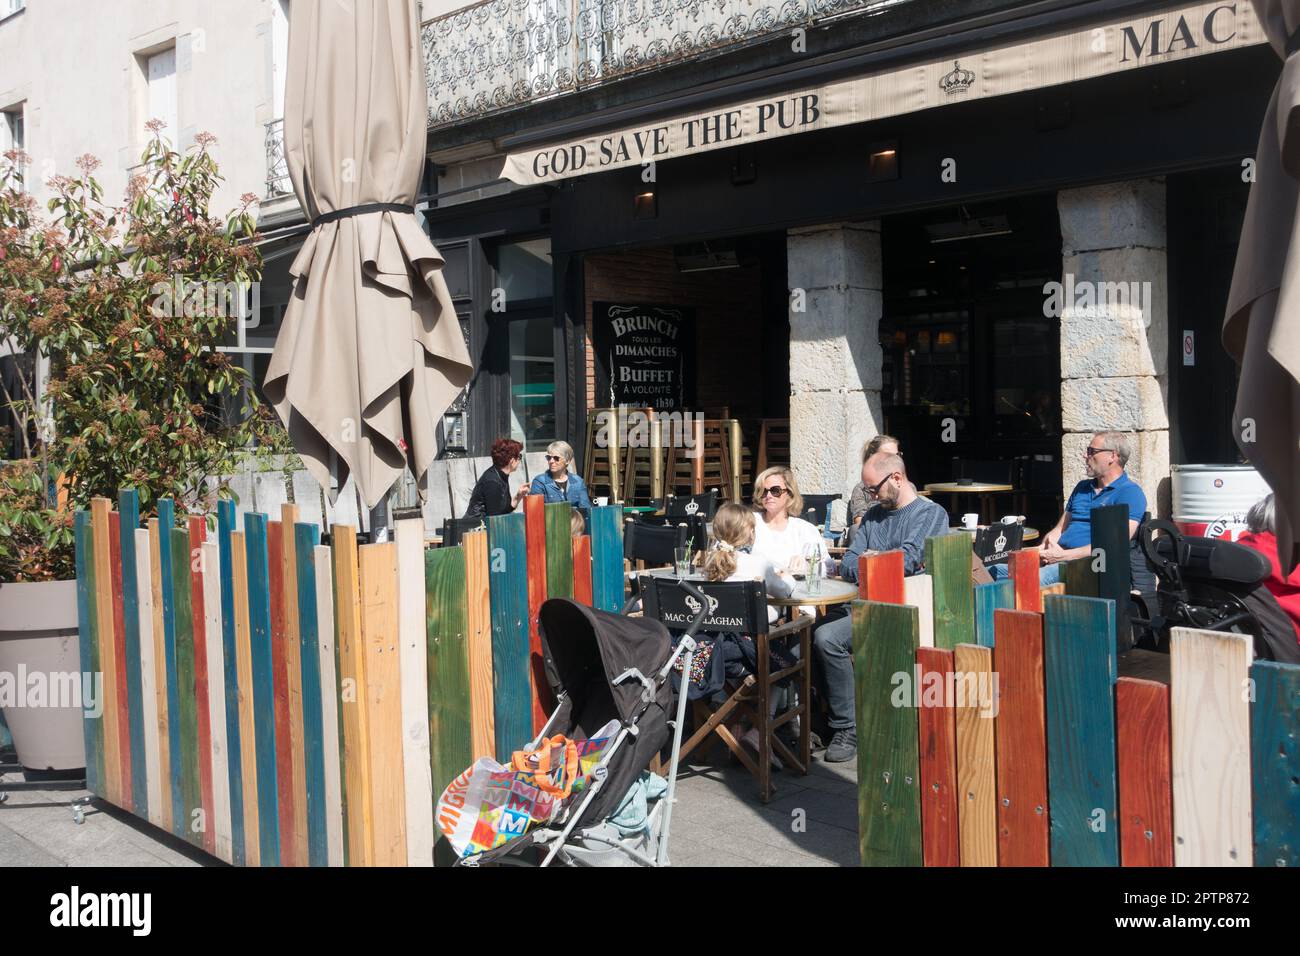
x=490, y=804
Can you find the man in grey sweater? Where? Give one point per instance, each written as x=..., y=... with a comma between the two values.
x=900, y=520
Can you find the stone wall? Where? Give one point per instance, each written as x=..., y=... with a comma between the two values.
x=835, y=356
x=1114, y=329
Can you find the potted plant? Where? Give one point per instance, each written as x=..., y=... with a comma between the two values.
x=127, y=306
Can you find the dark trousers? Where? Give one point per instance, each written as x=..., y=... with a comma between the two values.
x=833, y=648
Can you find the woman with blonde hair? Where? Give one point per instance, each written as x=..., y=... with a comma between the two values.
x=558, y=483
x=782, y=536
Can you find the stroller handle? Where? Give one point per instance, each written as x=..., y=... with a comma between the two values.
x=703, y=612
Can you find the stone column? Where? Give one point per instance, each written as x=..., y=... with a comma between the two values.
x=835, y=277
x=1114, y=328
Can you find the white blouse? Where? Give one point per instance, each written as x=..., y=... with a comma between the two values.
x=755, y=567
x=780, y=546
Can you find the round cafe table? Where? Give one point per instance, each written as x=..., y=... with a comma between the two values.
x=984, y=490
x=1031, y=534
x=832, y=591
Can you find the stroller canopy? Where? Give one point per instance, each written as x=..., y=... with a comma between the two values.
x=586, y=650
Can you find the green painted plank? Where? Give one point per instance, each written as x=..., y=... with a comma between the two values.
x=512, y=700
x=1080, y=577
x=607, y=558
x=885, y=639
x=989, y=598
x=1115, y=574
x=188, y=724
x=948, y=561
x=166, y=524
x=1079, y=683
x=305, y=538
x=559, y=550
x=230, y=668
x=259, y=640
x=128, y=507
x=450, y=744
x=1275, y=763
x=92, y=728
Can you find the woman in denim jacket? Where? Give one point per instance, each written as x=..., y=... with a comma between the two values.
x=558, y=483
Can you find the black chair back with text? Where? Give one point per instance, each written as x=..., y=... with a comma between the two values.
x=994, y=543
x=687, y=506
x=735, y=607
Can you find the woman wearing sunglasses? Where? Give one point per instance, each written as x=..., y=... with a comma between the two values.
x=780, y=535
x=558, y=483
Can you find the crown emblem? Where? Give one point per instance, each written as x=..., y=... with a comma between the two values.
x=1001, y=542
x=956, y=80
x=694, y=605
x=692, y=507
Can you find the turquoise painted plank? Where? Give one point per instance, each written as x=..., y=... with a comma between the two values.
x=128, y=508
x=230, y=667
x=305, y=537
x=607, y=558
x=989, y=598
x=259, y=639
x=166, y=522
x=92, y=728
x=1080, y=674
x=512, y=699
x=1275, y=763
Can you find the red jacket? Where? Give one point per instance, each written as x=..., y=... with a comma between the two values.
x=1285, y=589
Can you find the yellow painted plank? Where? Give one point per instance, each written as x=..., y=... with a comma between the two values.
x=382, y=692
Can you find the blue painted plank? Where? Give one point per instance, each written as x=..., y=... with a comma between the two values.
x=508, y=586
x=988, y=598
x=259, y=639
x=92, y=728
x=166, y=522
x=128, y=508
x=1275, y=763
x=1080, y=674
x=306, y=536
x=607, y=558
x=230, y=668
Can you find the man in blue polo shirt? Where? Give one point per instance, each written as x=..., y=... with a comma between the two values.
x=1106, y=484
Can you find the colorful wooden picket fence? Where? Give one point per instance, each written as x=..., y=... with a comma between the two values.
x=278, y=701
x=1001, y=734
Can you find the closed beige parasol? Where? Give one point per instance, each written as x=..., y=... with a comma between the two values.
x=1261, y=329
x=371, y=353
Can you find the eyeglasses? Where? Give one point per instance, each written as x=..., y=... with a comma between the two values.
x=1093, y=451
x=774, y=492
x=555, y=458
x=874, y=490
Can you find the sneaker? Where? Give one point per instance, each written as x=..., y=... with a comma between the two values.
x=750, y=742
x=843, y=746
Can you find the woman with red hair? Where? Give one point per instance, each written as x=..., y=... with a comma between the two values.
x=491, y=494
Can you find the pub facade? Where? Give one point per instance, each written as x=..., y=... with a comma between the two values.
x=988, y=228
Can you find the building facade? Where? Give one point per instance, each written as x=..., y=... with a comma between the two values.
x=990, y=228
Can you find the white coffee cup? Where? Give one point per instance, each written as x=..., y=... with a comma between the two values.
x=970, y=521
x=602, y=501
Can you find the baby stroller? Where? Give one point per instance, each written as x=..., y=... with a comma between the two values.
x=1206, y=583
x=605, y=667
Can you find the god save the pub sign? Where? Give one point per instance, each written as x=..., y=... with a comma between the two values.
x=647, y=353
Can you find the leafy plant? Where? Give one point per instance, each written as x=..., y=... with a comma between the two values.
x=130, y=304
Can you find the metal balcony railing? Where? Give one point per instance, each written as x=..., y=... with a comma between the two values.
x=277, y=166
x=499, y=54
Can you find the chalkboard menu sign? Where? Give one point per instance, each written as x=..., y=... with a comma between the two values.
x=646, y=353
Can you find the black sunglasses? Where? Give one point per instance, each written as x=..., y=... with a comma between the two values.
x=1093, y=451
x=555, y=458
x=774, y=492
x=874, y=490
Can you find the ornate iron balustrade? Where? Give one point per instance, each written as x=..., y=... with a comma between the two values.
x=503, y=53
x=277, y=165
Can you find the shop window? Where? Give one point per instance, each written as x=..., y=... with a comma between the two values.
x=522, y=327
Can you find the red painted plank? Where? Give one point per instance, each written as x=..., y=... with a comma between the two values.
x=880, y=577
x=582, y=569
x=198, y=534
x=1023, y=567
x=535, y=549
x=939, y=837
x=1021, y=738
x=119, y=656
x=280, y=681
x=1145, y=783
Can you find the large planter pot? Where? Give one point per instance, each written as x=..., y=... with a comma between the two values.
x=38, y=643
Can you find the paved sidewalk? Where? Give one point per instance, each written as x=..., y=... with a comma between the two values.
x=811, y=821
